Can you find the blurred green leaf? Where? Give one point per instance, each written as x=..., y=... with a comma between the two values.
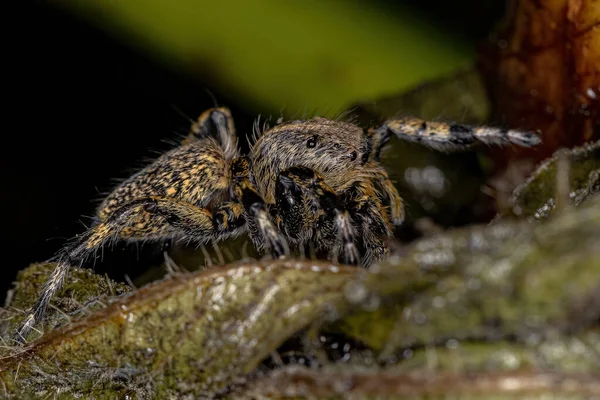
x=297, y=56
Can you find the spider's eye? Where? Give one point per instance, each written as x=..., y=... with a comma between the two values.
x=353, y=155
x=312, y=142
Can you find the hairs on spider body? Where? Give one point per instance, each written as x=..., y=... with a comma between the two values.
x=305, y=184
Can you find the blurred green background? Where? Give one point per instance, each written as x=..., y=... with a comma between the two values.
x=95, y=88
x=311, y=55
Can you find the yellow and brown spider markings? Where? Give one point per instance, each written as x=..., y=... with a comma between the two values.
x=446, y=136
x=196, y=173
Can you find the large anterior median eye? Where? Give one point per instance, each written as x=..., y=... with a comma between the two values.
x=312, y=142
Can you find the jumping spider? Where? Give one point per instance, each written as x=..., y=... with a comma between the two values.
x=312, y=182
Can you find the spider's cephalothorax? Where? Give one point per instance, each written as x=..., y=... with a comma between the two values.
x=314, y=184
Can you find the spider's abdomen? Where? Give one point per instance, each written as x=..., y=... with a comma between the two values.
x=196, y=173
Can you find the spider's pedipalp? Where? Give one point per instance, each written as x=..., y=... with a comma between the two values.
x=311, y=211
x=443, y=136
x=262, y=229
x=346, y=237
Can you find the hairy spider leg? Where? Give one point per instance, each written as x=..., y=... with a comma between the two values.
x=366, y=209
x=391, y=194
x=128, y=212
x=152, y=218
x=216, y=123
x=443, y=136
x=261, y=228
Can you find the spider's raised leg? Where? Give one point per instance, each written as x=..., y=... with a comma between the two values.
x=307, y=203
x=261, y=228
x=367, y=211
x=445, y=136
x=151, y=218
x=216, y=123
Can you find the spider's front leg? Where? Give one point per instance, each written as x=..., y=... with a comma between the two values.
x=449, y=137
x=389, y=191
x=262, y=230
x=310, y=209
x=366, y=209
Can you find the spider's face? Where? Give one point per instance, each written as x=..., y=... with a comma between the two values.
x=332, y=148
x=321, y=142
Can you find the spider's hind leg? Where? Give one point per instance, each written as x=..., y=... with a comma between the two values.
x=452, y=137
x=152, y=218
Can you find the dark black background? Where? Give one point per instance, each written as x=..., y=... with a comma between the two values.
x=82, y=108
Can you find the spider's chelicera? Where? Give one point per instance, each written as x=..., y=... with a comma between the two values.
x=314, y=184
